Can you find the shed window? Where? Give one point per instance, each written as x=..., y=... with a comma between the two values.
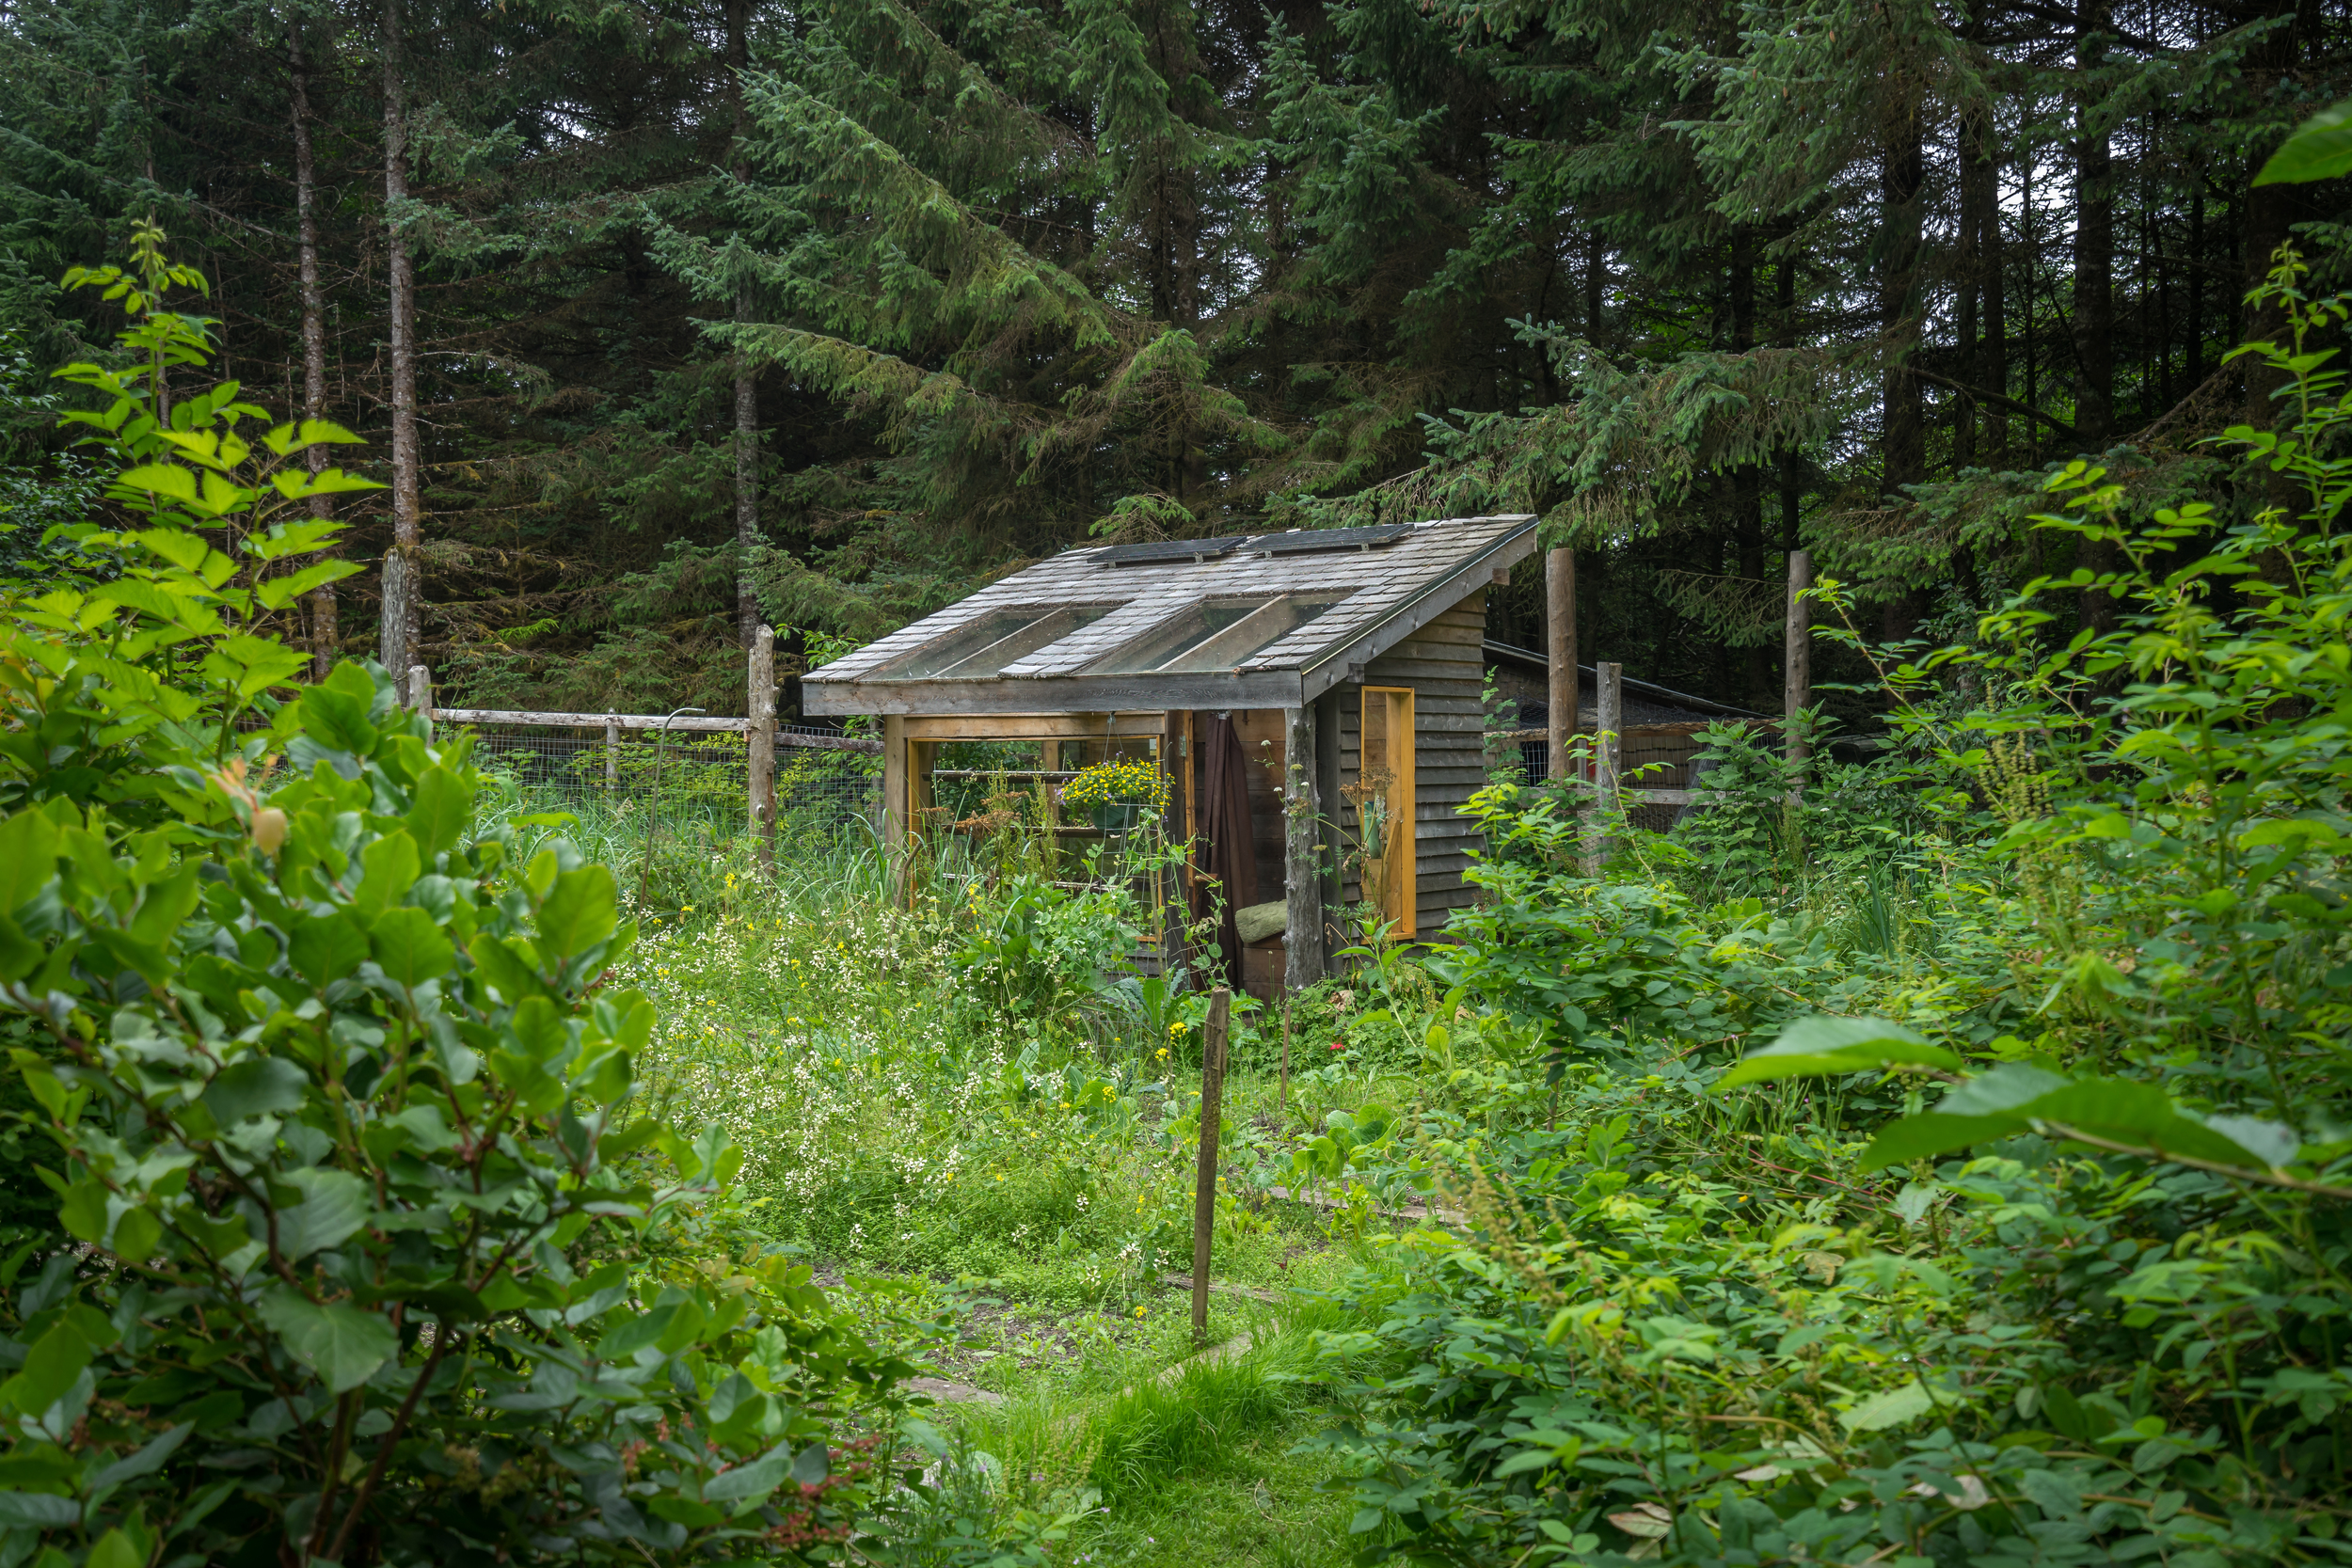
x=1215, y=634
x=985, y=646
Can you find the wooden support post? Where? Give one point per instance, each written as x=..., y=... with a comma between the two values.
x=1608, y=757
x=896, y=798
x=420, y=689
x=1204, y=1167
x=1798, y=691
x=761, y=711
x=612, y=753
x=1328, y=815
x=1560, y=654
x=1302, y=868
x=1049, y=760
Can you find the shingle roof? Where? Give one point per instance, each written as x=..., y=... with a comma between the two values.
x=1383, y=591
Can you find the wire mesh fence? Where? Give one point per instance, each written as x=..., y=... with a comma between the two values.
x=686, y=780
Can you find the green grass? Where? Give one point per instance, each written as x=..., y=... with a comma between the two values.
x=930, y=1148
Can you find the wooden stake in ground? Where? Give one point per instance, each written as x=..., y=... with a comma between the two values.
x=1205, y=1171
x=1283, y=1092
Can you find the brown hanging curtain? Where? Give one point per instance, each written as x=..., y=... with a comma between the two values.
x=1229, y=855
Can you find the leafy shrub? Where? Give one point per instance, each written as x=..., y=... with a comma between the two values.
x=365, y=1256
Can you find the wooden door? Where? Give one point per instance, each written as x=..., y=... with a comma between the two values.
x=1384, y=807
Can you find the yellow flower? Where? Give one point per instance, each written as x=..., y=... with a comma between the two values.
x=1138, y=1311
x=685, y=908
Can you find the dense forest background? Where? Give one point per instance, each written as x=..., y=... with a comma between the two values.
x=664, y=318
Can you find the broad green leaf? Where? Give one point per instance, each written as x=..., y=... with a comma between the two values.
x=505, y=968
x=392, y=867
x=334, y=1206
x=327, y=947
x=28, y=857
x=581, y=910
x=1813, y=1047
x=165, y=907
x=161, y=479
x=1891, y=1408
x=117, y=1549
x=2321, y=148
x=257, y=1086
x=753, y=1481
x=643, y=1329
x=148, y=1459
x=440, y=807
x=812, y=1466
x=337, y=718
x=38, y=1511
x=342, y=1345
x=409, y=948
x=52, y=1364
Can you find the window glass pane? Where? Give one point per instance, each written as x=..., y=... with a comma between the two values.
x=988, y=644
x=1214, y=634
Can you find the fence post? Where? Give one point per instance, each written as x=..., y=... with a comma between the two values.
x=420, y=689
x=762, y=737
x=1204, y=1170
x=1608, y=757
x=1561, y=693
x=611, y=750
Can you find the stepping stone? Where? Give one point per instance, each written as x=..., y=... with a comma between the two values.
x=949, y=1391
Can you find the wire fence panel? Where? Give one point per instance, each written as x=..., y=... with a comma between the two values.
x=695, y=783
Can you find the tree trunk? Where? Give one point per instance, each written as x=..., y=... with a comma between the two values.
x=2095, y=238
x=1904, y=176
x=1903, y=179
x=2266, y=211
x=400, y=639
x=1992, y=351
x=324, y=632
x=2094, y=282
x=1747, y=480
x=1974, y=195
x=746, y=376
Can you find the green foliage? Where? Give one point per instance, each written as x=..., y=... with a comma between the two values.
x=364, y=1252
x=1700, y=1323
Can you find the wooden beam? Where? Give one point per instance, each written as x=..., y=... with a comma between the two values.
x=1560, y=652
x=1302, y=871
x=1032, y=727
x=1003, y=695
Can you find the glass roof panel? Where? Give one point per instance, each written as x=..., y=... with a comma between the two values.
x=984, y=647
x=1214, y=634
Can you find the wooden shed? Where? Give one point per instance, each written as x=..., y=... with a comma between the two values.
x=1321, y=675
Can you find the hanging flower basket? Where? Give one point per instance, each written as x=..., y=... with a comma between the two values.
x=1114, y=793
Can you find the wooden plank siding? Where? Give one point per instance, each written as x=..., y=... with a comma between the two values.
x=1444, y=664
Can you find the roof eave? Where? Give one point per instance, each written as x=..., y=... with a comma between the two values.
x=1054, y=694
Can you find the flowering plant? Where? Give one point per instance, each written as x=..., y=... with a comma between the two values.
x=1113, y=783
